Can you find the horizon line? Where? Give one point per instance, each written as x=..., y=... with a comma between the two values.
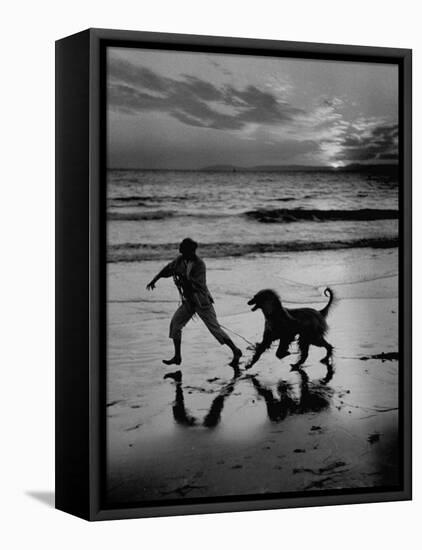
x=262, y=167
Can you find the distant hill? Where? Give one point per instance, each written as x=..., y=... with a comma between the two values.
x=388, y=169
x=384, y=169
x=223, y=168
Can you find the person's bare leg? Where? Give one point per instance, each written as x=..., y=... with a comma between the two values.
x=177, y=358
x=209, y=317
x=182, y=315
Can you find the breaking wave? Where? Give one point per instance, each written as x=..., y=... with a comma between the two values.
x=262, y=215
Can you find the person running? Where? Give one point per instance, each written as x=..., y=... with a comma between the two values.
x=189, y=274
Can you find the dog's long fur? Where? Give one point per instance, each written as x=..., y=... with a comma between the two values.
x=284, y=324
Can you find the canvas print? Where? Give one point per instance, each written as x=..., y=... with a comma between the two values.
x=252, y=276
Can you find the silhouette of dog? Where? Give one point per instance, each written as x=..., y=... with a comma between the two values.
x=284, y=324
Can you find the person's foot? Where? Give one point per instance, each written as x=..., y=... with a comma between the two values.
x=176, y=375
x=173, y=361
x=237, y=354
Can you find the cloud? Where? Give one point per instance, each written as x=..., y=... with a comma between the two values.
x=370, y=140
x=332, y=101
x=217, y=65
x=341, y=141
x=255, y=116
x=193, y=101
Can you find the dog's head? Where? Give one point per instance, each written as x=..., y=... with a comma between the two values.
x=266, y=300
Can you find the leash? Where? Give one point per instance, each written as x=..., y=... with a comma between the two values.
x=239, y=335
x=195, y=318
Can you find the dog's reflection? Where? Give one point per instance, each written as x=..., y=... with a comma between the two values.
x=212, y=418
x=313, y=396
x=277, y=407
x=330, y=373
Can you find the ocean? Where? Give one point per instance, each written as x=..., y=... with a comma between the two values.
x=245, y=213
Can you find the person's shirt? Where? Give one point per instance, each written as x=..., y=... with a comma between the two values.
x=190, y=278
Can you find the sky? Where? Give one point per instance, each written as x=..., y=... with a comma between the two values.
x=181, y=110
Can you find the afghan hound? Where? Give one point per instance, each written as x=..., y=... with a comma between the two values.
x=284, y=324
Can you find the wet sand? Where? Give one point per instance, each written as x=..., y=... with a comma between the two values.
x=269, y=429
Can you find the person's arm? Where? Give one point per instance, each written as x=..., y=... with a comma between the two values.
x=167, y=271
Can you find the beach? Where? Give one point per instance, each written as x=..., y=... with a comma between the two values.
x=265, y=430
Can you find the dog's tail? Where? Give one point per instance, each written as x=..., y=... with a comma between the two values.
x=328, y=292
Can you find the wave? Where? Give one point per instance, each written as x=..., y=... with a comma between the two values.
x=262, y=215
x=124, y=202
x=163, y=214
x=132, y=252
x=139, y=216
x=141, y=200
x=283, y=215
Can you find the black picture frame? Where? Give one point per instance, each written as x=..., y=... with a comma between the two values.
x=80, y=268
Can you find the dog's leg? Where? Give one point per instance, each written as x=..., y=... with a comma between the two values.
x=259, y=350
x=304, y=351
x=283, y=349
x=324, y=344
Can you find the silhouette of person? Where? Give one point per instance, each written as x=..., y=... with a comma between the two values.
x=213, y=417
x=189, y=274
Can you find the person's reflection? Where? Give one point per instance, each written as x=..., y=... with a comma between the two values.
x=212, y=418
x=214, y=414
x=181, y=415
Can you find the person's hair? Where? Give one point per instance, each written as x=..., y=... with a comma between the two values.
x=189, y=245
